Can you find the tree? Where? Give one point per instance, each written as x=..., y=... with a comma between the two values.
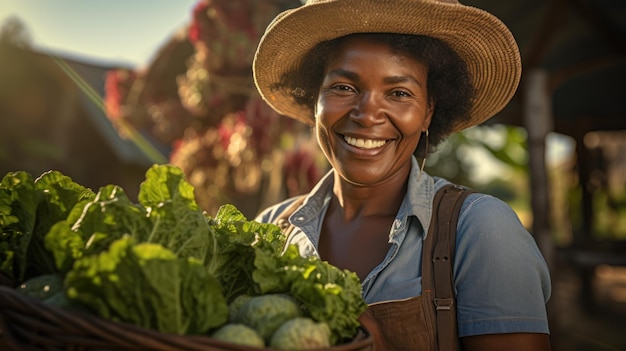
x=14, y=32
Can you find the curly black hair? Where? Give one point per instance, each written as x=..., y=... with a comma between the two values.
x=449, y=84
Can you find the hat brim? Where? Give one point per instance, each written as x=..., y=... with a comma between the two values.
x=479, y=38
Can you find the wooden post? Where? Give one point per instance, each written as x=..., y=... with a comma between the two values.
x=538, y=121
x=537, y=112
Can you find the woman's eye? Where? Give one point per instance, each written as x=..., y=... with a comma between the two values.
x=400, y=93
x=342, y=87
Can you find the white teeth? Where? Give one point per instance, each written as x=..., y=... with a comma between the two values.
x=364, y=144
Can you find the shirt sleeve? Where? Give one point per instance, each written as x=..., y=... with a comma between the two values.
x=501, y=278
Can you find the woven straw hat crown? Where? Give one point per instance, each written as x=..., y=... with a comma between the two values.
x=479, y=38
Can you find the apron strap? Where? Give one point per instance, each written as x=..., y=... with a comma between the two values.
x=438, y=259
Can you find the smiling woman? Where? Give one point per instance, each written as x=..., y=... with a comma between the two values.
x=381, y=90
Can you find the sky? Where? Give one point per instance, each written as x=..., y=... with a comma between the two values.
x=128, y=32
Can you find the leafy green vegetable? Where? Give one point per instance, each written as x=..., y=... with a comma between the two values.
x=327, y=293
x=266, y=313
x=28, y=209
x=147, y=285
x=176, y=221
x=166, y=214
x=18, y=210
x=233, y=248
x=239, y=334
x=61, y=197
x=162, y=263
x=42, y=287
x=108, y=217
x=301, y=334
x=235, y=305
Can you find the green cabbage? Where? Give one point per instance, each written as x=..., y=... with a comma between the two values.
x=301, y=334
x=239, y=334
x=235, y=305
x=266, y=313
x=327, y=293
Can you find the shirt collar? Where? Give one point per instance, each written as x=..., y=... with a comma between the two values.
x=417, y=202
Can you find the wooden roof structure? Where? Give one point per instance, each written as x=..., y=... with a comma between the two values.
x=574, y=69
x=581, y=45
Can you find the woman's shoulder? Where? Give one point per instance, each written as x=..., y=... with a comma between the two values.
x=478, y=205
x=487, y=217
x=489, y=222
x=488, y=211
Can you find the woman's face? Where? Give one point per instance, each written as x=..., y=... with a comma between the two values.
x=371, y=110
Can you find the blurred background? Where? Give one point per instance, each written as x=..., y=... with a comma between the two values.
x=102, y=90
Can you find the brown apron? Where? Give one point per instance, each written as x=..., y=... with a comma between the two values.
x=413, y=324
x=410, y=324
x=405, y=325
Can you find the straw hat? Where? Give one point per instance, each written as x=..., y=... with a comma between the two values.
x=481, y=39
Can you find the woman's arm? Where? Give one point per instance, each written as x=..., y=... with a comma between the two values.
x=502, y=281
x=509, y=342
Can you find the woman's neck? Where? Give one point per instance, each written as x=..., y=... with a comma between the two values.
x=383, y=199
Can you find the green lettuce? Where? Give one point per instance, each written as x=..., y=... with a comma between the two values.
x=166, y=214
x=147, y=285
x=176, y=221
x=232, y=250
x=162, y=262
x=28, y=209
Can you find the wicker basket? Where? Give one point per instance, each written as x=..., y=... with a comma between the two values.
x=29, y=324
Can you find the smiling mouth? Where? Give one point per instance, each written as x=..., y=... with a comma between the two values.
x=364, y=143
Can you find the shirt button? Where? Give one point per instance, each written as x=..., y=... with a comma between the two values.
x=299, y=219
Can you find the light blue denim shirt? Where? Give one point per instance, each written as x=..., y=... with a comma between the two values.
x=501, y=279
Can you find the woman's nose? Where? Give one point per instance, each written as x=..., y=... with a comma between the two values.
x=368, y=111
